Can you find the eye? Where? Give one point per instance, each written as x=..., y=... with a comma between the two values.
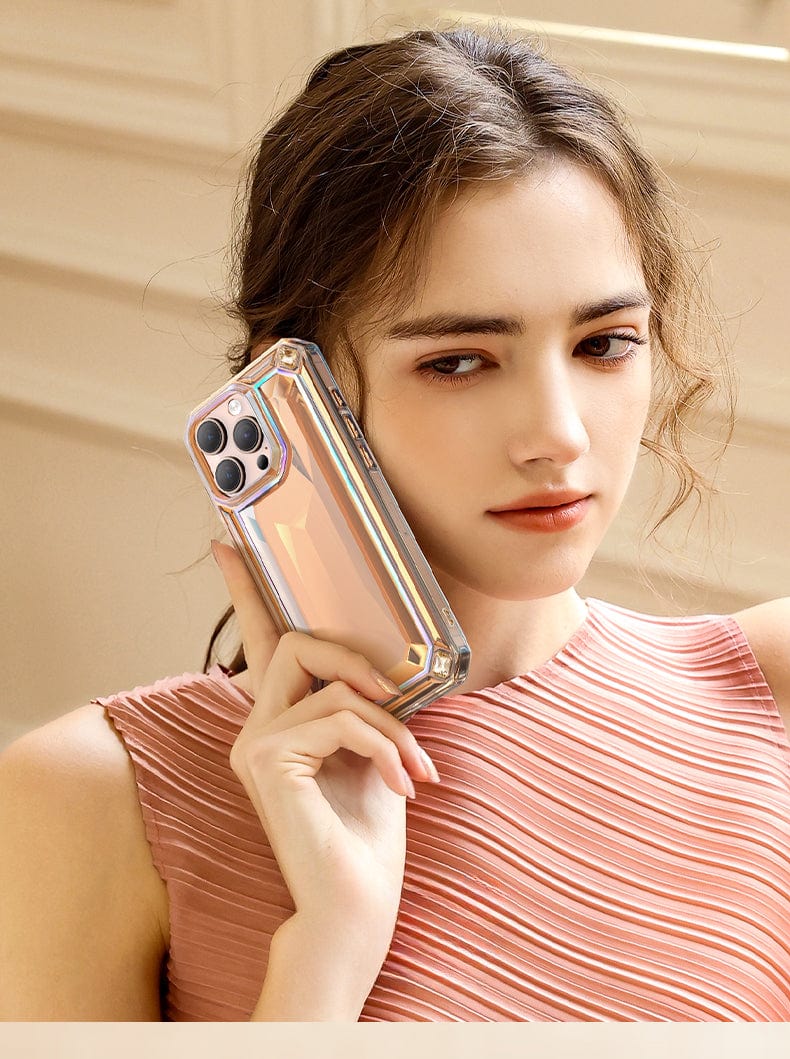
x=444, y=369
x=613, y=348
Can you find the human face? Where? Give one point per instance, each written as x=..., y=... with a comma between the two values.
x=528, y=391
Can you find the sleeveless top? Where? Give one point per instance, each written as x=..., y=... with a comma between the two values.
x=610, y=840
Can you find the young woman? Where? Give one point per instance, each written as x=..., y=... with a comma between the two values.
x=491, y=265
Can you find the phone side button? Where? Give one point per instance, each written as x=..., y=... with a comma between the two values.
x=352, y=427
x=366, y=454
x=337, y=398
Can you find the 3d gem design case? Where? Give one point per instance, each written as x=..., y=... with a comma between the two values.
x=288, y=469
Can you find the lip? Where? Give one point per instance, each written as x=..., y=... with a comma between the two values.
x=544, y=519
x=548, y=498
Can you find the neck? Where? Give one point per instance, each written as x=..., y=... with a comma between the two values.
x=509, y=638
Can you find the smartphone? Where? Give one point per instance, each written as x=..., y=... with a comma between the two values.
x=292, y=478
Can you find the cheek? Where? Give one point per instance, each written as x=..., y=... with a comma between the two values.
x=618, y=440
x=421, y=456
x=629, y=409
x=409, y=436
x=641, y=410
x=399, y=443
x=627, y=418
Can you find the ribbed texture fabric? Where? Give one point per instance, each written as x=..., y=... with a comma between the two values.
x=610, y=840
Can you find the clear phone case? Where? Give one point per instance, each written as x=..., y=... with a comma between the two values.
x=286, y=465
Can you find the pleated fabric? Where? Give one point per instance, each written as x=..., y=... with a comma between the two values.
x=610, y=840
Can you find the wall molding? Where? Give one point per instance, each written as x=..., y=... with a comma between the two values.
x=192, y=124
x=79, y=405
x=76, y=260
x=187, y=82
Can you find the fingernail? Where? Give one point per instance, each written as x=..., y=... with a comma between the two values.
x=215, y=552
x=430, y=766
x=410, y=792
x=384, y=683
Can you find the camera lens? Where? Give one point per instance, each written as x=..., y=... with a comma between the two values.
x=230, y=475
x=247, y=435
x=211, y=436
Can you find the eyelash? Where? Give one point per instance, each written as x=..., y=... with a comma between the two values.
x=607, y=363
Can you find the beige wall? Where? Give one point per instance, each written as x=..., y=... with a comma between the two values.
x=121, y=124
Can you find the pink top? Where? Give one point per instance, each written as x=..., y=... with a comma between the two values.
x=610, y=840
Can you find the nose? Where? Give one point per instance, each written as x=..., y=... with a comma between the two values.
x=545, y=418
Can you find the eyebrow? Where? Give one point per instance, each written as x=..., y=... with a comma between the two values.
x=440, y=325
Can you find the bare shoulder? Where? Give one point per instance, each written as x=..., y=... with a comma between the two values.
x=767, y=628
x=82, y=744
x=83, y=915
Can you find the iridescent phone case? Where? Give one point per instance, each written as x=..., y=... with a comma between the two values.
x=287, y=467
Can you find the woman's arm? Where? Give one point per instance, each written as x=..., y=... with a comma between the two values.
x=767, y=628
x=83, y=912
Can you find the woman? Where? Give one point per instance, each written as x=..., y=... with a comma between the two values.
x=490, y=263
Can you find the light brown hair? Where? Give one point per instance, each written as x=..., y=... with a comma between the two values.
x=346, y=185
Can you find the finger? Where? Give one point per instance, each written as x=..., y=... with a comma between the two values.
x=337, y=698
x=258, y=631
x=300, y=658
x=301, y=751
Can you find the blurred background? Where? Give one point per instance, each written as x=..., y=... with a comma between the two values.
x=124, y=127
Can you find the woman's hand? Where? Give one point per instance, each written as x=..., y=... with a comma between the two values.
x=327, y=772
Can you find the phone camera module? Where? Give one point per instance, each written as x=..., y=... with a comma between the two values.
x=211, y=436
x=230, y=475
x=247, y=435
